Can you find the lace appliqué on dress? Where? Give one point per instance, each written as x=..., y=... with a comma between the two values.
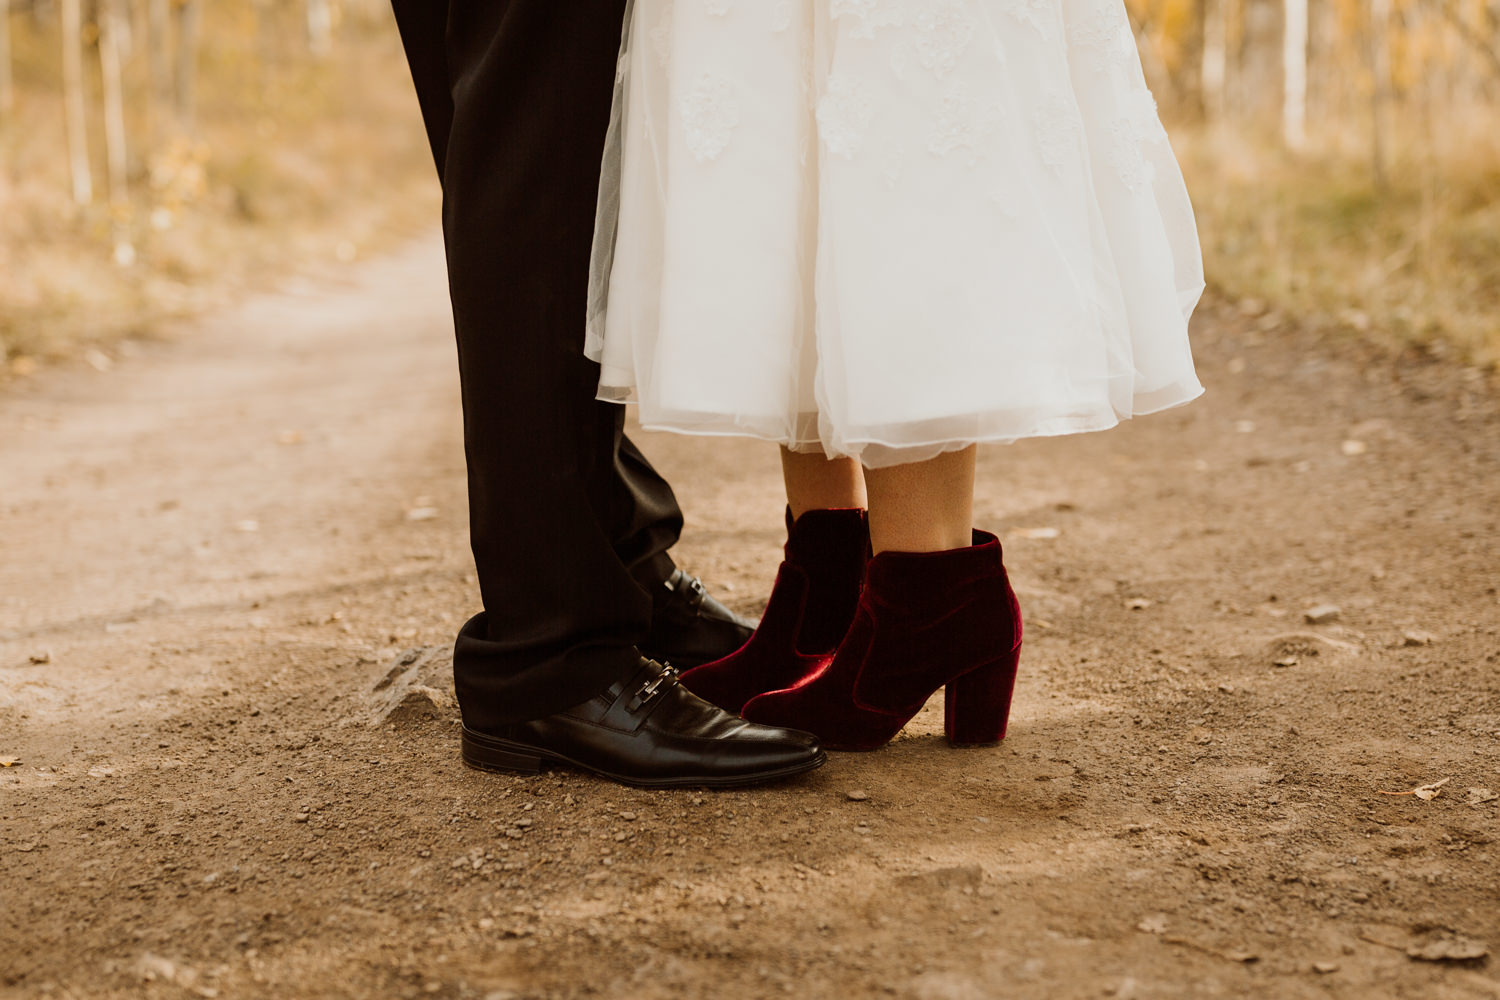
x=1104, y=27
x=1059, y=133
x=1040, y=14
x=944, y=29
x=710, y=114
x=1138, y=123
x=959, y=125
x=871, y=14
x=843, y=115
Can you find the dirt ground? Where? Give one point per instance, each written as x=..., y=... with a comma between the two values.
x=214, y=554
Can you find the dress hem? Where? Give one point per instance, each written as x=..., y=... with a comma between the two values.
x=887, y=453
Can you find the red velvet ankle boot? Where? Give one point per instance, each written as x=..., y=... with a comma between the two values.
x=925, y=620
x=811, y=606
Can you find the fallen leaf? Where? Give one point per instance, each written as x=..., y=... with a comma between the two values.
x=1479, y=796
x=9, y=761
x=1429, y=792
x=1424, y=792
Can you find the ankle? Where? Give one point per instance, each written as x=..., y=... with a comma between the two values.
x=918, y=537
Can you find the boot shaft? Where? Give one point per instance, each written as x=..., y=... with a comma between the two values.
x=831, y=548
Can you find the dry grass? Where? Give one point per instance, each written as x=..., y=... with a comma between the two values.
x=1414, y=262
x=296, y=165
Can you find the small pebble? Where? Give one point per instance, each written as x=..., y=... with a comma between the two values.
x=1412, y=638
x=858, y=795
x=1325, y=967
x=1322, y=614
x=627, y=815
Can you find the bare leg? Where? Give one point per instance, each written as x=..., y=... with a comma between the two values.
x=923, y=507
x=814, y=482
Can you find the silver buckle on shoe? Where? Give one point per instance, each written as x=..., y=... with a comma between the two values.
x=654, y=687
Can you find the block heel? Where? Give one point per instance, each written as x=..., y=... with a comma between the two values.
x=976, y=705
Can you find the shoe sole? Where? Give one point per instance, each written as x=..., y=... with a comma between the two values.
x=490, y=753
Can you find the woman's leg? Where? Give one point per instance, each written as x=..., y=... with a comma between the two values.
x=937, y=610
x=924, y=506
x=817, y=587
x=815, y=482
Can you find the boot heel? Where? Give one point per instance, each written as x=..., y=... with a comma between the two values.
x=489, y=754
x=976, y=705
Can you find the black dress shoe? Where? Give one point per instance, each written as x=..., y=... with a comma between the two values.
x=690, y=628
x=650, y=732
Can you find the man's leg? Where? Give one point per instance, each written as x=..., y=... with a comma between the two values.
x=516, y=97
x=570, y=523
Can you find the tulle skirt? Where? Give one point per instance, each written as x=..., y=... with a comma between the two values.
x=889, y=228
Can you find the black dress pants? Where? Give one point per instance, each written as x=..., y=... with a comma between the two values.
x=570, y=524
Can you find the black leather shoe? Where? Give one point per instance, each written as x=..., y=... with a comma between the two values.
x=649, y=732
x=690, y=627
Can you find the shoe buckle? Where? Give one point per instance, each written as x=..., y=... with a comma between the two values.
x=655, y=686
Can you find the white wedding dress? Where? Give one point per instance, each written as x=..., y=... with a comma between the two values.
x=889, y=228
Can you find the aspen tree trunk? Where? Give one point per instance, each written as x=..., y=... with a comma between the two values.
x=158, y=30
x=114, y=103
x=189, y=15
x=265, y=43
x=73, y=104
x=1215, y=58
x=319, y=27
x=1380, y=70
x=111, y=29
x=1294, y=75
x=7, y=85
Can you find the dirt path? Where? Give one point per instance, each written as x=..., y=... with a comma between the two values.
x=218, y=549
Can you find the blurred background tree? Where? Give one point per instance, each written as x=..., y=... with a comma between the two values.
x=158, y=157
x=1344, y=157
